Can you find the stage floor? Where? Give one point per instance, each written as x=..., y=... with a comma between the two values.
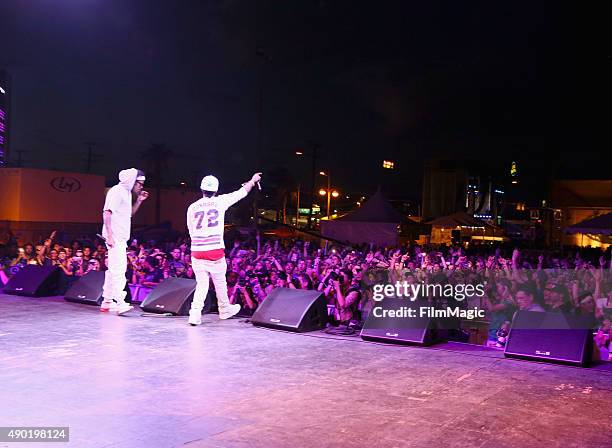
x=139, y=381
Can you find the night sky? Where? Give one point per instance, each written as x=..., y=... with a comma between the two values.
x=492, y=81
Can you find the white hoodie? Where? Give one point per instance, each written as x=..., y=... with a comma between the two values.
x=119, y=203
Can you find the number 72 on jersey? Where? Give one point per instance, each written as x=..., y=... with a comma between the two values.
x=211, y=216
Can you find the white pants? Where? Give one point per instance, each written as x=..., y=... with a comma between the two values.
x=114, y=278
x=215, y=269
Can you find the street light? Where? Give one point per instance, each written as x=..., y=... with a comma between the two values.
x=328, y=191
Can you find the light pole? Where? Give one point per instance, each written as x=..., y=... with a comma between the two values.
x=313, y=153
x=265, y=59
x=329, y=191
x=297, y=207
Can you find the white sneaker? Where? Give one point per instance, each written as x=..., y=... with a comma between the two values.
x=106, y=307
x=195, y=318
x=123, y=308
x=230, y=311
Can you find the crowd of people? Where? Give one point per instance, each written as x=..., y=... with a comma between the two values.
x=578, y=282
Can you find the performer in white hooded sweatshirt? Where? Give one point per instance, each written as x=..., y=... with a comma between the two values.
x=205, y=220
x=117, y=217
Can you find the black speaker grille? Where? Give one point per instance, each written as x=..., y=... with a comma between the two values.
x=173, y=295
x=292, y=309
x=554, y=337
x=398, y=330
x=34, y=281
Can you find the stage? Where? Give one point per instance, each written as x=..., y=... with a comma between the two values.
x=137, y=381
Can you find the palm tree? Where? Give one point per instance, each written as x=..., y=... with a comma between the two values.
x=156, y=159
x=283, y=183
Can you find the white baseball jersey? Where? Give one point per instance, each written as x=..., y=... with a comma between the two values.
x=206, y=220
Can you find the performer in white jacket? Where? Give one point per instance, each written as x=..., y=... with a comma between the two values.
x=205, y=220
x=117, y=216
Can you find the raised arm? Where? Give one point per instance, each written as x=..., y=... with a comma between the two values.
x=248, y=186
x=231, y=198
x=47, y=245
x=139, y=200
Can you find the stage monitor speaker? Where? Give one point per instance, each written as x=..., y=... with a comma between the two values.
x=173, y=295
x=553, y=337
x=88, y=289
x=295, y=310
x=34, y=281
x=379, y=327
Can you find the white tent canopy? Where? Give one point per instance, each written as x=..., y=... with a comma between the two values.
x=376, y=222
x=600, y=225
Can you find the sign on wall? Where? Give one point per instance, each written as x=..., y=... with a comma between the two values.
x=51, y=196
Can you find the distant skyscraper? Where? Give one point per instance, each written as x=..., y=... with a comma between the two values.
x=514, y=173
x=456, y=185
x=445, y=184
x=5, y=116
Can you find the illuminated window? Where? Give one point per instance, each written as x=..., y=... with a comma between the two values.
x=388, y=164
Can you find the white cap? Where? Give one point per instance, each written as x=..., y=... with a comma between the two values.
x=209, y=183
